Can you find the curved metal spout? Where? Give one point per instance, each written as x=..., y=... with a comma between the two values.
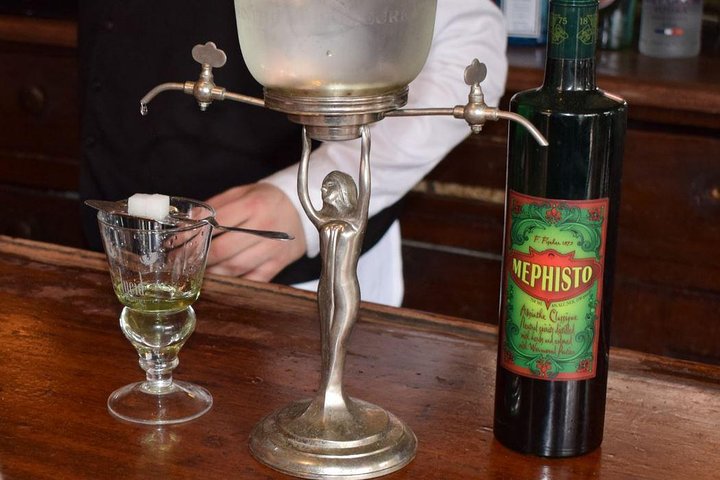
x=476, y=116
x=163, y=87
x=525, y=123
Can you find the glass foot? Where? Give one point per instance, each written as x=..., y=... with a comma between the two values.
x=177, y=403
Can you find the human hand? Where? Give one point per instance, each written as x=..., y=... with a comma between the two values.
x=261, y=206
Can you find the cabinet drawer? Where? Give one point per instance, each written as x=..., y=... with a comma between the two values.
x=48, y=217
x=39, y=101
x=669, y=221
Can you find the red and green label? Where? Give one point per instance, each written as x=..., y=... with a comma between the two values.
x=552, y=280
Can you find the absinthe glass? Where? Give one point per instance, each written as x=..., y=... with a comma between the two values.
x=335, y=47
x=156, y=272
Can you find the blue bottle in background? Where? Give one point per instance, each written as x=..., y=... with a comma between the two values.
x=526, y=21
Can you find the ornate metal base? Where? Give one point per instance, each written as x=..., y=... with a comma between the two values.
x=309, y=441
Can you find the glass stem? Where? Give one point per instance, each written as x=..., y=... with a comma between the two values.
x=158, y=370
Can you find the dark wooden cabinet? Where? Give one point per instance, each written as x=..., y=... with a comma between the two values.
x=39, y=133
x=667, y=292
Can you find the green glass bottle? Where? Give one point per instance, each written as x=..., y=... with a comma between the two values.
x=559, y=248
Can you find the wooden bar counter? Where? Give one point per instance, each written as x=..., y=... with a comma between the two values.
x=256, y=348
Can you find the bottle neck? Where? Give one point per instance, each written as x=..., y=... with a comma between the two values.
x=572, y=36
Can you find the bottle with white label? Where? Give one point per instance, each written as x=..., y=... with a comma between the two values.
x=670, y=28
x=525, y=20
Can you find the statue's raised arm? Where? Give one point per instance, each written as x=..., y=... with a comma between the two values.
x=364, y=177
x=302, y=182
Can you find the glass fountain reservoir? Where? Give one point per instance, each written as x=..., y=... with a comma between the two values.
x=335, y=66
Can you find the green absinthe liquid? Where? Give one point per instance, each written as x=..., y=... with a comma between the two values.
x=559, y=249
x=156, y=297
x=157, y=317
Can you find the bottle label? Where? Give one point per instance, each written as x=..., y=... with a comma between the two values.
x=573, y=29
x=553, y=270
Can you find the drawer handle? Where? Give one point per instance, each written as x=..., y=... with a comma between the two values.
x=32, y=99
x=715, y=193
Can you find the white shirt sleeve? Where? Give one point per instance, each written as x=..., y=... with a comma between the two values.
x=404, y=150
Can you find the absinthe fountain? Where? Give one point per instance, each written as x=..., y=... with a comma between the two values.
x=335, y=66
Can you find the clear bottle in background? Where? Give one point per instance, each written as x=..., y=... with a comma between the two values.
x=525, y=20
x=670, y=28
x=616, y=24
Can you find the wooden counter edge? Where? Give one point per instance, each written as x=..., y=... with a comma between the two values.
x=621, y=360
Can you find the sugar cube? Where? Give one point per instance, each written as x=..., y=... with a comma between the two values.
x=155, y=206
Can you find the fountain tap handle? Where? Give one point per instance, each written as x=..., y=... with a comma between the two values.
x=209, y=55
x=476, y=112
x=205, y=90
x=475, y=73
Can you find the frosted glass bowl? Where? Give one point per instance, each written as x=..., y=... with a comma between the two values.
x=335, y=48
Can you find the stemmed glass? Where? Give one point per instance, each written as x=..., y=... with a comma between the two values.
x=157, y=270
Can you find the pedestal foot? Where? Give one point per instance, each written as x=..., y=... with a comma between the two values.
x=362, y=441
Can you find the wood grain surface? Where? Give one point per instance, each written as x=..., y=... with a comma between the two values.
x=256, y=348
x=39, y=31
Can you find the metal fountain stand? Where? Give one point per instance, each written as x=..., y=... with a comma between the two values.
x=334, y=436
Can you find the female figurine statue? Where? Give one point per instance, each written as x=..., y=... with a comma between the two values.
x=332, y=433
x=341, y=222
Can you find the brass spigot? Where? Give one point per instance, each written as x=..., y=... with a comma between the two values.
x=204, y=90
x=476, y=112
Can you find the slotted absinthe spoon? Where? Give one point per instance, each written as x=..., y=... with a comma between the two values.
x=176, y=218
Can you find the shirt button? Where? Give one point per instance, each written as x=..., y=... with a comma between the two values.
x=109, y=25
